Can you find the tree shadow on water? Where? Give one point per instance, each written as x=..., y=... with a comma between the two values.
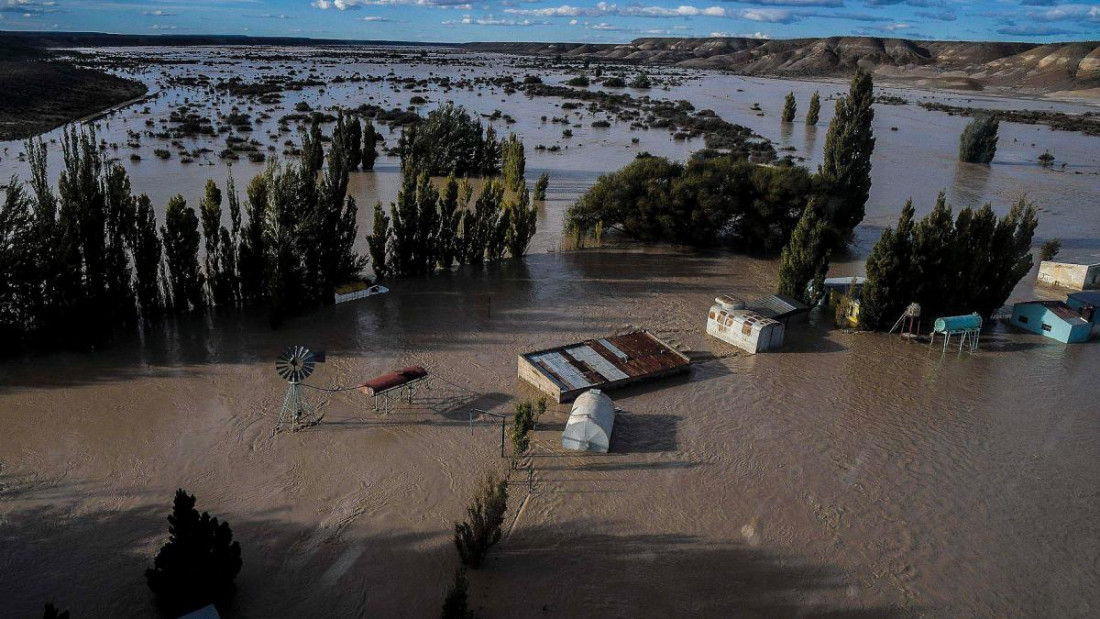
x=579, y=573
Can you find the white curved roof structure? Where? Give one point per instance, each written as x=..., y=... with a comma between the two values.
x=590, y=423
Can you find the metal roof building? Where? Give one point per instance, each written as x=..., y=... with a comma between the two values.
x=567, y=371
x=778, y=307
x=1053, y=319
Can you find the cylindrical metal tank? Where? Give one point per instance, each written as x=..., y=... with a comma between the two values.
x=949, y=324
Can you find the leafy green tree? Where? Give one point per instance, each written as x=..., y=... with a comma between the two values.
x=19, y=285
x=1050, y=249
x=482, y=528
x=541, y=185
x=427, y=225
x=978, y=142
x=949, y=266
x=814, y=111
x=369, y=153
x=845, y=173
x=198, y=564
x=481, y=227
x=210, y=212
x=180, y=235
x=457, y=604
x=252, y=260
x=378, y=242
x=120, y=211
x=284, y=273
x=446, y=237
x=449, y=141
x=489, y=163
x=805, y=259
x=790, y=108
x=641, y=81
x=523, y=421
x=889, y=285
x=146, y=247
x=513, y=162
x=313, y=148
x=404, y=215
x=349, y=135
x=522, y=219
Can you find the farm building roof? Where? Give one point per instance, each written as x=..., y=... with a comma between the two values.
x=1089, y=297
x=777, y=306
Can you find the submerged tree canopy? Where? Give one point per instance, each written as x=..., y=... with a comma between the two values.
x=450, y=141
x=702, y=202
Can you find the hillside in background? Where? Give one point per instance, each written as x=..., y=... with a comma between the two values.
x=1035, y=68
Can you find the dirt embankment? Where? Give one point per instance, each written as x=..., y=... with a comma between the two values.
x=42, y=92
x=1034, y=68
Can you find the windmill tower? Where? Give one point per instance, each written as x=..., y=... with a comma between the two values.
x=294, y=366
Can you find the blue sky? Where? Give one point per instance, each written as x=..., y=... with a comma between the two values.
x=572, y=20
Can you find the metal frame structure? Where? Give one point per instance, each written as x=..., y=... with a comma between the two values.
x=294, y=366
x=968, y=339
x=384, y=401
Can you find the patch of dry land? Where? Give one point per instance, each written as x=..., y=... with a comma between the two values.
x=848, y=474
x=42, y=92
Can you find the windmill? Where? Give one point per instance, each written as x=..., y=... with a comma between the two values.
x=294, y=366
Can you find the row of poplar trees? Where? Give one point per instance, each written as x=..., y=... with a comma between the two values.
x=430, y=228
x=90, y=257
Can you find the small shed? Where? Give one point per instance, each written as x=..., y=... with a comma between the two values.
x=730, y=321
x=1070, y=275
x=1087, y=305
x=590, y=423
x=1053, y=319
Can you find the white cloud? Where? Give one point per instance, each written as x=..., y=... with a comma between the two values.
x=738, y=35
x=161, y=27
x=602, y=9
x=1066, y=12
x=349, y=5
x=159, y=13
x=492, y=21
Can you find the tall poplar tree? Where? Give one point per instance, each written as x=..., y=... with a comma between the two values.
x=845, y=173
x=181, y=250
x=814, y=109
x=805, y=258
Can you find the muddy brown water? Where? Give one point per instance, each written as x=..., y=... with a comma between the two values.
x=848, y=474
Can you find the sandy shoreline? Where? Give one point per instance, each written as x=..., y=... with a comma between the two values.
x=847, y=474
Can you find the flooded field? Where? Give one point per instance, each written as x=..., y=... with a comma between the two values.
x=846, y=475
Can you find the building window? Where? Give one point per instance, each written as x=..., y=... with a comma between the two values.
x=1046, y=327
x=1023, y=319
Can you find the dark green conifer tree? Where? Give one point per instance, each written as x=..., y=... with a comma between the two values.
x=181, y=238
x=805, y=259
x=814, y=111
x=790, y=108
x=845, y=173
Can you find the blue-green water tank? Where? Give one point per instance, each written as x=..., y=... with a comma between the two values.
x=950, y=324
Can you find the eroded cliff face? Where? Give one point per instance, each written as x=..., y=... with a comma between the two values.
x=957, y=64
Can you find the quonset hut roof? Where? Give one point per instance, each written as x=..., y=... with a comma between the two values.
x=590, y=423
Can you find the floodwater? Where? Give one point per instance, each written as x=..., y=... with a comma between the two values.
x=847, y=474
